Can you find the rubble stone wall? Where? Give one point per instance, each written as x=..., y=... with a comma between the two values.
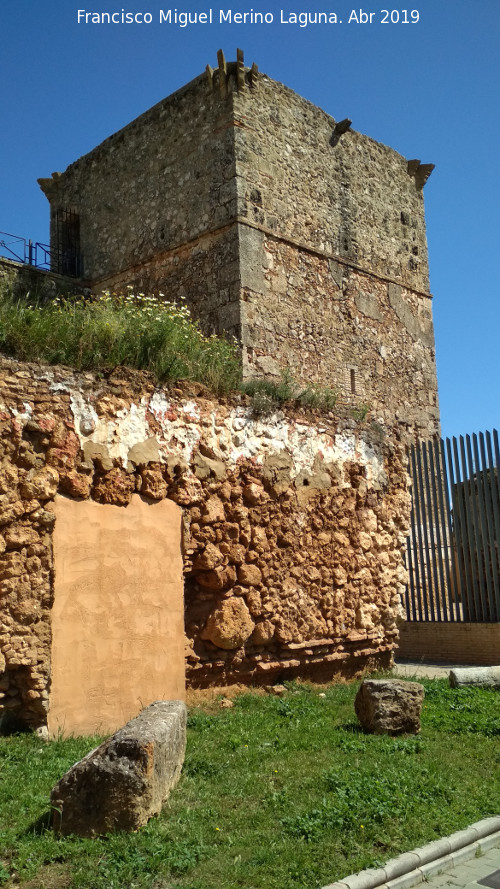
x=293, y=525
x=354, y=199
x=331, y=323
x=204, y=273
x=29, y=282
x=156, y=184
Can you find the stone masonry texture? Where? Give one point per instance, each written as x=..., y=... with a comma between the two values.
x=306, y=244
x=124, y=782
x=293, y=525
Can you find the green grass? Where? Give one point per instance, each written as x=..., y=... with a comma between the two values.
x=276, y=793
x=267, y=396
x=107, y=331
x=103, y=332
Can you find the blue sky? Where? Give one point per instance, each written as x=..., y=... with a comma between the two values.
x=429, y=89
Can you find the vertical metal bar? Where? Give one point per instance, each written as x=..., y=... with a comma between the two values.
x=450, y=565
x=468, y=536
x=475, y=529
x=494, y=503
x=419, y=553
x=439, y=555
x=30, y=252
x=428, y=601
x=458, y=527
x=484, y=557
x=433, y=579
x=493, y=563
x=494, y=461
x=412, y=545
x=410, y=586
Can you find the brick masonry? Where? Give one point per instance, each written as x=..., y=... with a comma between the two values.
x=457, y=643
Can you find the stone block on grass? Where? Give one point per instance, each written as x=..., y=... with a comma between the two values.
x=122, y=783
x=389, y=706
x=478, y=677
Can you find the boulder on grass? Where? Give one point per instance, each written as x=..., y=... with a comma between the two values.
x=389, y=706
x=480, y=677
x=122, y=783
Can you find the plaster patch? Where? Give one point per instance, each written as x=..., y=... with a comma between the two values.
x=240, y=436
x=25, y=414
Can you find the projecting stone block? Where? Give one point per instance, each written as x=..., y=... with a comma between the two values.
x=389, y=706
x=122, y=783
x=481, y=677
x=230, y=625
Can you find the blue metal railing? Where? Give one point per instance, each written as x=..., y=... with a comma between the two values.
x=41, y=256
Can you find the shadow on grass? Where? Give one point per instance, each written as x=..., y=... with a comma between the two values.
x=40, y=826
x=352, y=727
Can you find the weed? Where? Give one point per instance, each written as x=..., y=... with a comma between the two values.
x=103, y=332
x=321, y=397
x=361, y=412
x=267, y=396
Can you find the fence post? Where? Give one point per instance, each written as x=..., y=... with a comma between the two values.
x=454, y=539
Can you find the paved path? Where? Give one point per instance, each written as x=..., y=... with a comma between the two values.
x=410, y=669
x=467, y=875
x=459, y=861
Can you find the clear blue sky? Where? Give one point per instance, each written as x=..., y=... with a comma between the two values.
x=430, y=90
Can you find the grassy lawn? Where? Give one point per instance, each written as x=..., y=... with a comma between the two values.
x=276, y=793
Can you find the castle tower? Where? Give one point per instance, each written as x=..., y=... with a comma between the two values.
x=279, y=225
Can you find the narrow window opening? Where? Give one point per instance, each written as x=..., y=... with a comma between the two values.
x=66, y=259
x=353, y=381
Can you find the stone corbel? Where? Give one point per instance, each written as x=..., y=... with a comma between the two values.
x=420, y=172
x=49, y=185
x=234, y=71
x=339, y=129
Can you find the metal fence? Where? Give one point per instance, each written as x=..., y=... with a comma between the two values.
x=453, y=550
x=65, y=259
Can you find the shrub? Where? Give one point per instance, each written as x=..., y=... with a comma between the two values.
x=268, y=396
x=109, y=330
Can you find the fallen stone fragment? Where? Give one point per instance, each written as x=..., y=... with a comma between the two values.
x=122, y=783
x=226, y=704
x=278, y=690
x=389, y=706
x=481, y=677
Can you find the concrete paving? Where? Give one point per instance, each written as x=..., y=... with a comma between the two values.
x=459, y=861
x=467, y=874
x=412, y=669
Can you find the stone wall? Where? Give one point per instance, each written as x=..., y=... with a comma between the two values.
x=306, y=244
x=294, y=525
x=331, y=323
x=155, y=200
x=29, y=282
x=355, y=199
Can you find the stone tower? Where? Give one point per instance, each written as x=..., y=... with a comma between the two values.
x=277, y=224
